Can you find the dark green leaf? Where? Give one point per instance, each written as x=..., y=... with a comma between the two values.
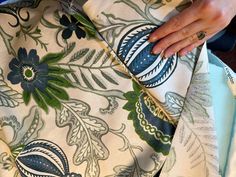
x=132, y=115
x=86, y=81
x=58, y=70
x=87, y=24
x=39, y=100
x=98, y=81
x=109, y=78
x=50, y=99
x=60, y=81
x=131, y=96
x=121, y=74
x=26, y=97
x=137, y=88
x=129, y=106
x=89, y=56
x=78, y=55
x=58, y=92
x=52, y=58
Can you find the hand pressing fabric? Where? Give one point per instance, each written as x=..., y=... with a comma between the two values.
x=193, y=26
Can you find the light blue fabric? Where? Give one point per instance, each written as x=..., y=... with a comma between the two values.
x=224, y=107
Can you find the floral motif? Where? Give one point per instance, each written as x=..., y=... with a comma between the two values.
x=40, y=78
x=27, y=70
x=72, y=25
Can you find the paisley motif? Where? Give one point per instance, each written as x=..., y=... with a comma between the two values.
x=135, y=52
x=41, y=158
x=150, y=122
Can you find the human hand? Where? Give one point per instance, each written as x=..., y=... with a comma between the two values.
x=193, y=26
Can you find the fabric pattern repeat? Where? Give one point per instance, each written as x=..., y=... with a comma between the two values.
x=75, y=104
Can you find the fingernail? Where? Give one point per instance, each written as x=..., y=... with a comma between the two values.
x=152, y=39
x=156, y=50
x=168, y=54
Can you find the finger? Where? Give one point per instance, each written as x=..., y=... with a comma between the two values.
x=176, y=23
x=171, y=39
x=189, y=48
x=184, y=43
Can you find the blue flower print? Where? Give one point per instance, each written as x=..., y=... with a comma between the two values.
x=27, y=70
x=70, y=26
x=40, y=79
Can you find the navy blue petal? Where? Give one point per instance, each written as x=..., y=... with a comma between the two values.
x=64, y=20
x=27, y=86
x=33, y=57
x=42, y=68
x=22, y=54
x=66, y=34
x=41, y=83
x=14, y=65
x=80, y=33
x=73, y=19
x=15, y=78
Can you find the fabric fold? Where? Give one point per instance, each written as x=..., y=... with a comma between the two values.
x=187, y=97
x=70, y=104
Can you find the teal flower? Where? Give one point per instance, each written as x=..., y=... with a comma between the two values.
x=41, y=79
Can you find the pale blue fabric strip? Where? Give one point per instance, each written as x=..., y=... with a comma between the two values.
x=224, y=108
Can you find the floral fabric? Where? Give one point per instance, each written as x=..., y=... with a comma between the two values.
x=79, y=102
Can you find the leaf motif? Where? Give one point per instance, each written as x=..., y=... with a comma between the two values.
x=173, y=104
x=78, y=55
x=113, y=29
x=39, y=100
x=86, y=81
x=106, y=58
x=52, y=58
x=87, y=24
x=58, y=92
x=199, y=96
x=46, y=23
x=98, y=56
x=7, y=40
x=8, y=96
x=26, y=97
x=121, y=74
x=68, y=49
x=50, y=99
x=123, y=171
x=85, y=132
x=89, y=57
x=98, y=81
x=58, y=70
x=58, y=80
x=29, y=130
x=109, y=78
